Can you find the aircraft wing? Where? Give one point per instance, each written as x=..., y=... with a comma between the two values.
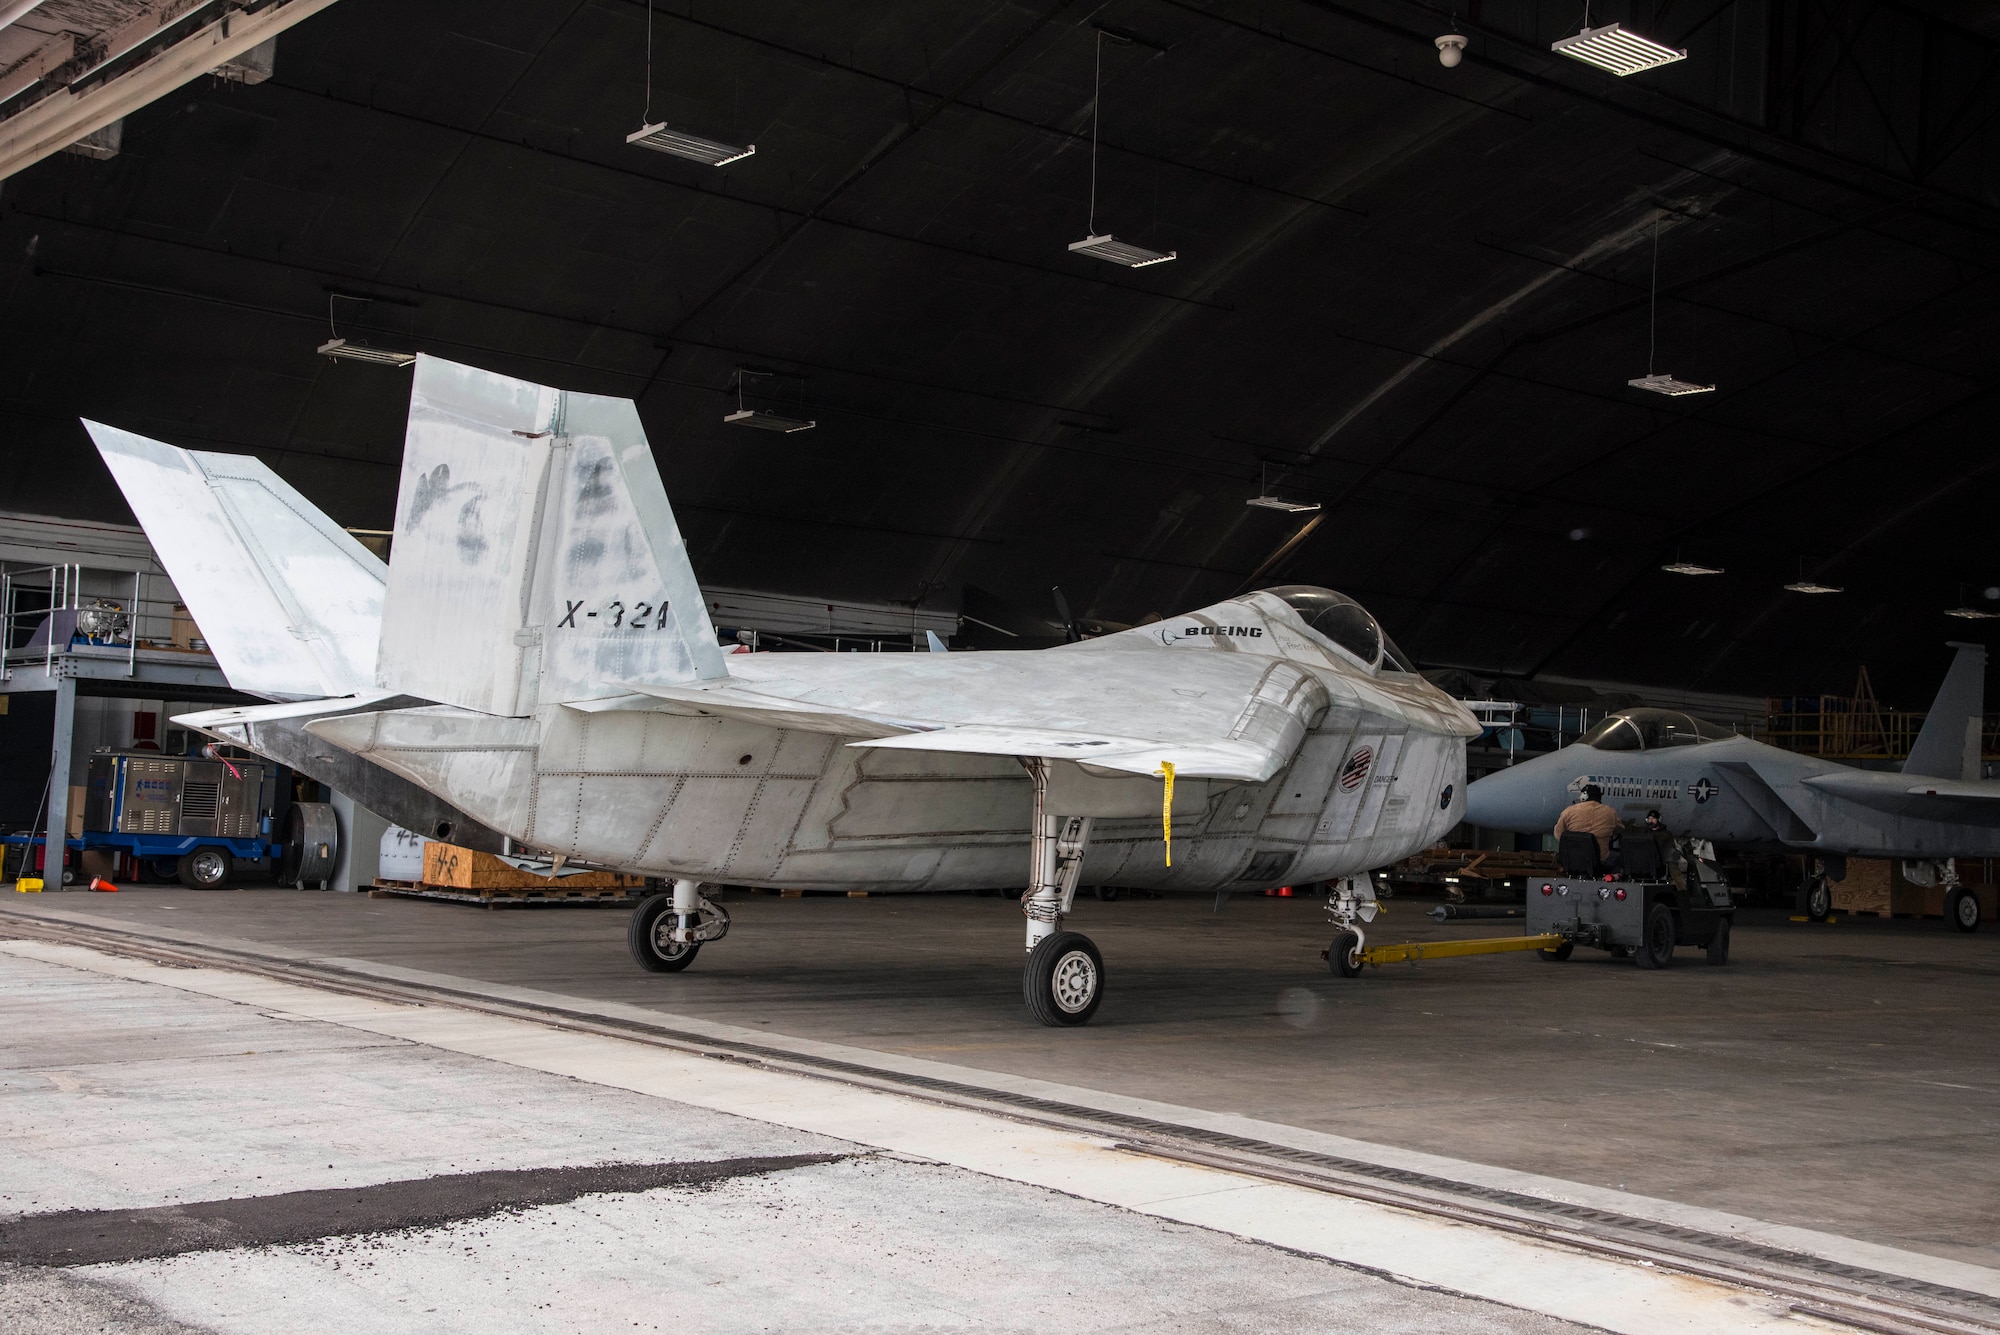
x=775, y=711
x=1966, y=801
x=1244, y=760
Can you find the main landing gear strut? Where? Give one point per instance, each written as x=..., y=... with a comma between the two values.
x=1064, y=978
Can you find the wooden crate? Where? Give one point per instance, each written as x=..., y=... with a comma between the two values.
x=1866, y=888
x=455, y=868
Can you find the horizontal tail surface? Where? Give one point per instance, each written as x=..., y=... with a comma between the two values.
x=289, y=602
x=536, y=558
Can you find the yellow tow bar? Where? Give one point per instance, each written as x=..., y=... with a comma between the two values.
x=1410, y=952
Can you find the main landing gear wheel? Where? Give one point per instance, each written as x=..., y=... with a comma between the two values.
x=203, y=869
x=1961, y=910
x=1819, y=900
x=1557, y=954
x=655, y=951
x=1657, y=951
x=1718, y=945
x=1344, y=955
x=1064, y=979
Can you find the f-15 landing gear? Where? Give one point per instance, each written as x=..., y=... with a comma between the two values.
x=667, y=929
x=1064, y=977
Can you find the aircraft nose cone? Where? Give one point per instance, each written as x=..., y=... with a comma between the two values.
x=1526, y=797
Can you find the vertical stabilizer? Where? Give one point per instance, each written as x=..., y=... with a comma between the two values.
x=289, y=602
x=536, y=558
x=1948, y=745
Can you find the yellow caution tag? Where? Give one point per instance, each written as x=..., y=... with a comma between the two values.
x=1166, y=772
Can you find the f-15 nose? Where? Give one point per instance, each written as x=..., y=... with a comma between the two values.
x=1526, y=797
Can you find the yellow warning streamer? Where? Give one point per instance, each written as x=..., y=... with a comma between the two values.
x=1166, y=771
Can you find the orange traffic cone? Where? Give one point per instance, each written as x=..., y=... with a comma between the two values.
x=99, y=883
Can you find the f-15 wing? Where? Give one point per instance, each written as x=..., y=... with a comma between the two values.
x=1967, y=801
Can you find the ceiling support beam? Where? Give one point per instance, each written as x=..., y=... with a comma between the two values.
x=66, y=115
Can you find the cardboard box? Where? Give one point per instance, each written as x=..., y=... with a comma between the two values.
x=452, y=867
x=77, y=793
x=186, y=634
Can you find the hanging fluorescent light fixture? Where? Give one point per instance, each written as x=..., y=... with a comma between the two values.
x=1264, y=500
x=1108, y=247
x=1811, y=586
x=1659, y=382
x=661, y=138
x=1104, y=246
x=1971, y=614
x=1279, y=503
x=1612, y=48
x=1690, y=568
x=760, y=418
x=341, y=350
x=764, y=421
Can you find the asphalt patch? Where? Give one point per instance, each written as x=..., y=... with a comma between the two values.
x=103, y=1237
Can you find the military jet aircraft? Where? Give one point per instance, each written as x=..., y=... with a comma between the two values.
x=1709, y=783
x=537, y=663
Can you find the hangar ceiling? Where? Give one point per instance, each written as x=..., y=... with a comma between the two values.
x=1413, y=294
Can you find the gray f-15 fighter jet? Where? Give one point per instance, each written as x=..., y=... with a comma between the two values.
x=537, y=665
x=1709, y=783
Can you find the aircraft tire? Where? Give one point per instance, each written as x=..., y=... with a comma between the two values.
x=1107, y=893
x=1064, y=979
x=1341, y=955
x=1657, y=950
x=1961, y=910
x=206, y=868
x=1718, y=945
x=1558, y=954
x=650, y=954
x=1819, y=899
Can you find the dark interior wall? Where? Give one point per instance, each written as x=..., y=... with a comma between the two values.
x=1410, y=293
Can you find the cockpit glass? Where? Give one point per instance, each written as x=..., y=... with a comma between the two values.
x=1340, y=619
x=1613, y=734
x=1647, y=729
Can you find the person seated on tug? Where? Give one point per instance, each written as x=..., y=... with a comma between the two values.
x=1589, y=815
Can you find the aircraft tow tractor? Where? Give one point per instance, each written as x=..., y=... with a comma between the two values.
x=1661, y=901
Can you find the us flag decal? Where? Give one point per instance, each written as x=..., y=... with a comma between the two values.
x=1356, y=769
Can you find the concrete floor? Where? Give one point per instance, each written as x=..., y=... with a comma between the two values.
x=122, y=1095
x=1836, y=1077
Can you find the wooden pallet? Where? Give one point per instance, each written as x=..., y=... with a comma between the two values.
x=493, y=898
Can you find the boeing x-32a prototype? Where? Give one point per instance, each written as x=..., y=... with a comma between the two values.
x=1710, y=784
x=537, y=661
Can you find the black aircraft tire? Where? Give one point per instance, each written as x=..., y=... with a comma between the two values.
x=1657, y=950
x=1107, y=893
x=1557, y=954
x=1819, y=899
x=1961, y=910
x=639, y=937
x=1342, y=955
x=1064, y=979
x=1718, y=945
x=204, y=868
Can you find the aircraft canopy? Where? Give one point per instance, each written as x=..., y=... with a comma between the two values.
x=1338, y=618
x=1650, y=729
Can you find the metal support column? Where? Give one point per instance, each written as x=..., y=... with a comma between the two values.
x=59, y=761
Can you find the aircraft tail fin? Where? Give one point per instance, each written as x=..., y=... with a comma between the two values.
x=1948, y=745
x=253, y=560
x=537, y=560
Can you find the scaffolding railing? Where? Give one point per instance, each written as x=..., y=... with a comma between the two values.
x=1837, y=727
x=102, y=619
